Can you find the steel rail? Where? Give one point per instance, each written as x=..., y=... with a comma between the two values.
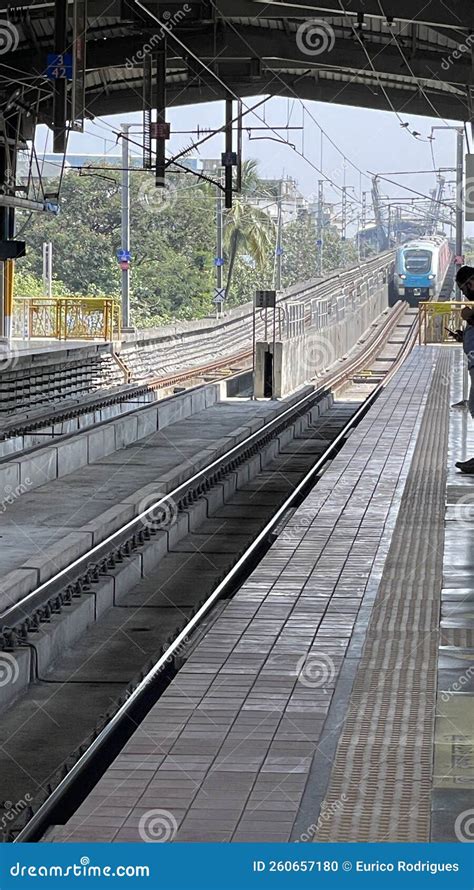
x=17, y=613
x=41, y=819
x=305, y=294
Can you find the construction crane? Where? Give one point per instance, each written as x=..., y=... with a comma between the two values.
x=382, y=234
x=434, y=208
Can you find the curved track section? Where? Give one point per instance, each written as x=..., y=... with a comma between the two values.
x=93, y=758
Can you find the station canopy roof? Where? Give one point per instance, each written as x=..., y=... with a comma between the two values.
x=411, y=56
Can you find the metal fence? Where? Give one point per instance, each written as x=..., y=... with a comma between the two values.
x=319, y=313
x=437, y=319
x=66, y=318
x=293, y=318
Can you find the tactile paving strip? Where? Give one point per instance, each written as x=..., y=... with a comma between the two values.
x=381, y=781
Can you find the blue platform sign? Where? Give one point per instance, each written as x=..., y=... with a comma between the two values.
x=59, y=66
x=218, y=261
x=279, y=251
x=123, y=256
x=51, y=207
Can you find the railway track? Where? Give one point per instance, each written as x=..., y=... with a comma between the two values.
x=40, y=421
x=129, y=697
x=12, y=621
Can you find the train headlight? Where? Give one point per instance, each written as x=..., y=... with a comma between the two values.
x=402, y=276
x=431, y=277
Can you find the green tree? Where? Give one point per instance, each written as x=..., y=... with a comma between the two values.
x=27, y=284
x=248, y=229
x=82, y=235
x=173, y=247
x=300, y=251
x=173, y=243
x=248, y=277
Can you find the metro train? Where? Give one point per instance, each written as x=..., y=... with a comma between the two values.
x=420, y=268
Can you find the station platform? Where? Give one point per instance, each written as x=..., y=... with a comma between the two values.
x=332, y=698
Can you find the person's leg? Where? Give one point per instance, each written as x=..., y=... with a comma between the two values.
x=467, y=466
x=464, y=403
x=471, y=392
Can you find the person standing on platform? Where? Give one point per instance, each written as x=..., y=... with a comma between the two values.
x=465, y=282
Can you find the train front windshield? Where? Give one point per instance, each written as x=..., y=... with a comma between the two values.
x=418, y=262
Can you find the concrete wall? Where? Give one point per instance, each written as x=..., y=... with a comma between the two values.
x=189, y=344
x=54, y=461
x=302, y=358
x=64, y=628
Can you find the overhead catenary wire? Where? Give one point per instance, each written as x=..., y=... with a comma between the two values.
x=305, y=108
x=105, y=125
x=356, y=33
x=279, y=139
x=408, y=189
x=231, y=93
x=412, y=73
x=328, y=179
x=172, y=160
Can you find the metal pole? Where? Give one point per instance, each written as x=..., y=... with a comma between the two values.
x=60, y=83
x=160, y=113
x=47, y=268
x=253, y=348
x=239, y=146
x=273, y=350
x=320, y=227
x=278, y=247
x=125, y=225
x=50, y=268
x=364, y=220
x=459, y=192
x=45, y=260
x=344, y=223
x=228, y=170
x=219, y=238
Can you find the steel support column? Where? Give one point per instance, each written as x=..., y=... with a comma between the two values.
x=459, y=192
x=125, y=225
x=59, y=84
x=160, y=57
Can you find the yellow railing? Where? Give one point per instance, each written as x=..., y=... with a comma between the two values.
x=66, y=318
x=435, y=319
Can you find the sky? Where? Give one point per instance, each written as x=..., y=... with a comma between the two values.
x=373, y=141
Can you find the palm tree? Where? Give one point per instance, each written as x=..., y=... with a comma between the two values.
x=248, y=229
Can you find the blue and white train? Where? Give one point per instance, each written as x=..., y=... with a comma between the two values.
x=420, y=268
